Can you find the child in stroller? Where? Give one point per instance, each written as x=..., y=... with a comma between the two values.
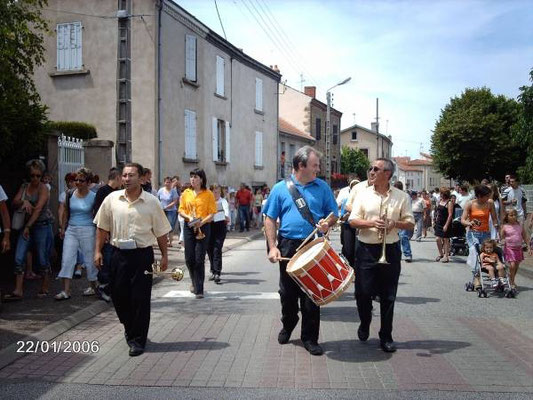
x=490, y=257
x=490, y=262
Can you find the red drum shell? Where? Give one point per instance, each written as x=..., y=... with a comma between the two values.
x=323, y=278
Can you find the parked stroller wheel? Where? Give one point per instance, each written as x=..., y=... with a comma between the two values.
x=469, y=286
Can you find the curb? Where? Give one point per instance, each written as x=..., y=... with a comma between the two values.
x=10, y=354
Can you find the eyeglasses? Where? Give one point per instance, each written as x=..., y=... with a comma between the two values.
x=35, y=175
x=80, y=180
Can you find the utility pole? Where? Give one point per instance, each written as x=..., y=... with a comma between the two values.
x=377, y=127
x=328, y=129
x=302, y=80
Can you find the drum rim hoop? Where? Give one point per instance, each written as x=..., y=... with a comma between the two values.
x=300, y=252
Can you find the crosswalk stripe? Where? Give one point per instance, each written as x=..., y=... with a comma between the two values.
x=225, y=295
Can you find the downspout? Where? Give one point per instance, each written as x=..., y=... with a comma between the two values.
x=159, y=111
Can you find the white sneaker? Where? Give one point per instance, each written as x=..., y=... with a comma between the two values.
x=89, y=292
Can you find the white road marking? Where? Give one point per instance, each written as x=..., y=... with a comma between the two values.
x=226, y=295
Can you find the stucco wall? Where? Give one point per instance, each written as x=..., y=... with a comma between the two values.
x=294, y=107
x=237, y=107
x=366, y=140
x=89, y=97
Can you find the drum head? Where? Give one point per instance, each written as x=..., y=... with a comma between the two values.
x=306, y=255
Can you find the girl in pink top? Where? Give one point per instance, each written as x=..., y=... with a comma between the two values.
x=512, y=233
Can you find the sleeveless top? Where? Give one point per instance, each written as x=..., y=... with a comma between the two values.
x=513, y=235
x=482, y=215
x=46, y=214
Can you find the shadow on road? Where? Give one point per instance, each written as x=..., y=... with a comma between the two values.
x=353, y=351
x=239, y=273
x=416, y=300
x=165, y=347
x=432, y=346
x=241, y=281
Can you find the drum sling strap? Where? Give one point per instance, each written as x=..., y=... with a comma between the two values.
x=300, y=202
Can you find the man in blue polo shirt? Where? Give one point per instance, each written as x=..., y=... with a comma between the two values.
x=293, y=229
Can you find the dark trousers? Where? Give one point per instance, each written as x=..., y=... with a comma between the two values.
x=195, y=251
x=216, y=242
x=104, y=274
x=373, y=279
x=131, y=290
x=244, y=217
x=348, y=241
x=290, y=293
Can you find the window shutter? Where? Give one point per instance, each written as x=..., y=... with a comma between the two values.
x=190, y=57
x=60, y=42
x=259, y=149
x=215, y=139
x=190, y=134
x=220, y=76
x=258, y=94
x=77, y=46
x=228, y=141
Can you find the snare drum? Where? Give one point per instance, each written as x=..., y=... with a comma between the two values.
x=320, y=272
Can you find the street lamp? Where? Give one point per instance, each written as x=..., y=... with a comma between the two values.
x=328, y=129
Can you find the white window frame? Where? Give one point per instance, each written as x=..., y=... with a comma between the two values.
x=221, y=139
x=190, y=135
x=220, y=70
x=69, y=46
x=259, y=94
x=258, y=149
x=191, y=54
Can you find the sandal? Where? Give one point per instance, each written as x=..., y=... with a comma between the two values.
x=438, y=258
x=62, y=296
x=446, y=260
x=42, y=295
x=12, y=297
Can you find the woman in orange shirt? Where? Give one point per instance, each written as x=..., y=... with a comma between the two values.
x=197, y=207
x=476, y=218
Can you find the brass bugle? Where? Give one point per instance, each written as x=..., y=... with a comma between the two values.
x=383, y=236
x=175, y=273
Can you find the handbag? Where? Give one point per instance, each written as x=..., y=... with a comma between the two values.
x=19, y=216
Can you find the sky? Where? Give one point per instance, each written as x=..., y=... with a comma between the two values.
x=412, y=55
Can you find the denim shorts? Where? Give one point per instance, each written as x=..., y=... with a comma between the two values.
x=41, y=240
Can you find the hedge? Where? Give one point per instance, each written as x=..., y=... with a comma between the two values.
x=80, y=130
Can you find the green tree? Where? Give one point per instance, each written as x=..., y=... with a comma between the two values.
x=22, y=117
x=472, y=138
x=523, y=131
x=354, y=161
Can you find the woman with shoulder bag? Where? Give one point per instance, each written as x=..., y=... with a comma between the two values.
x=33, y=200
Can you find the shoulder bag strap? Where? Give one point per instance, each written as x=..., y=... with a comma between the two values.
x=300, y=202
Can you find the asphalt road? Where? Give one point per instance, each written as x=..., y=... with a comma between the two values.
x=451, y=343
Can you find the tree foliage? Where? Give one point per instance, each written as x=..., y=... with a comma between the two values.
x=354, y=161
x=22, y=117
x=472, y=138
x=523, y=130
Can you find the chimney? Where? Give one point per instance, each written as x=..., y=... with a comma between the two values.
x=276, y=68
x=310, y=91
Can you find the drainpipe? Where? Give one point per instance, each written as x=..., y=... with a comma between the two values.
x=159, y=111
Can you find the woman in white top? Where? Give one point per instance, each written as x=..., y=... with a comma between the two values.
x=218, y=233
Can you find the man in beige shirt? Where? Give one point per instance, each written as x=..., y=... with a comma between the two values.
x=375, y=208
x=132, y=219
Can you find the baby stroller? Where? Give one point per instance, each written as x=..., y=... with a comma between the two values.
x=484, y=279
x=458, y=245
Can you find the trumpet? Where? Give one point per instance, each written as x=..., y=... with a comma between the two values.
x=382, y=235
x=175, y=273
x=192, y=220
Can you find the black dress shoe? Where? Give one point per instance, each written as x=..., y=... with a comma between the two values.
x=313, y=348
x=363, y=333
x=135, y=350
x=388, y=347
x=284, y=336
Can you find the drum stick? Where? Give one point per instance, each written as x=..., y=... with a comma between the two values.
x=284, y=259
x=311, y=235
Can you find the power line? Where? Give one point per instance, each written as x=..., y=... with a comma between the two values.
x=282, y=33
x=268, y=35
x=276, y=35
x=220, y=19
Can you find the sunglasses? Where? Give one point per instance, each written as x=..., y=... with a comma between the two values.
x=80, y=180
x=35, y=176
x=376, y=169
